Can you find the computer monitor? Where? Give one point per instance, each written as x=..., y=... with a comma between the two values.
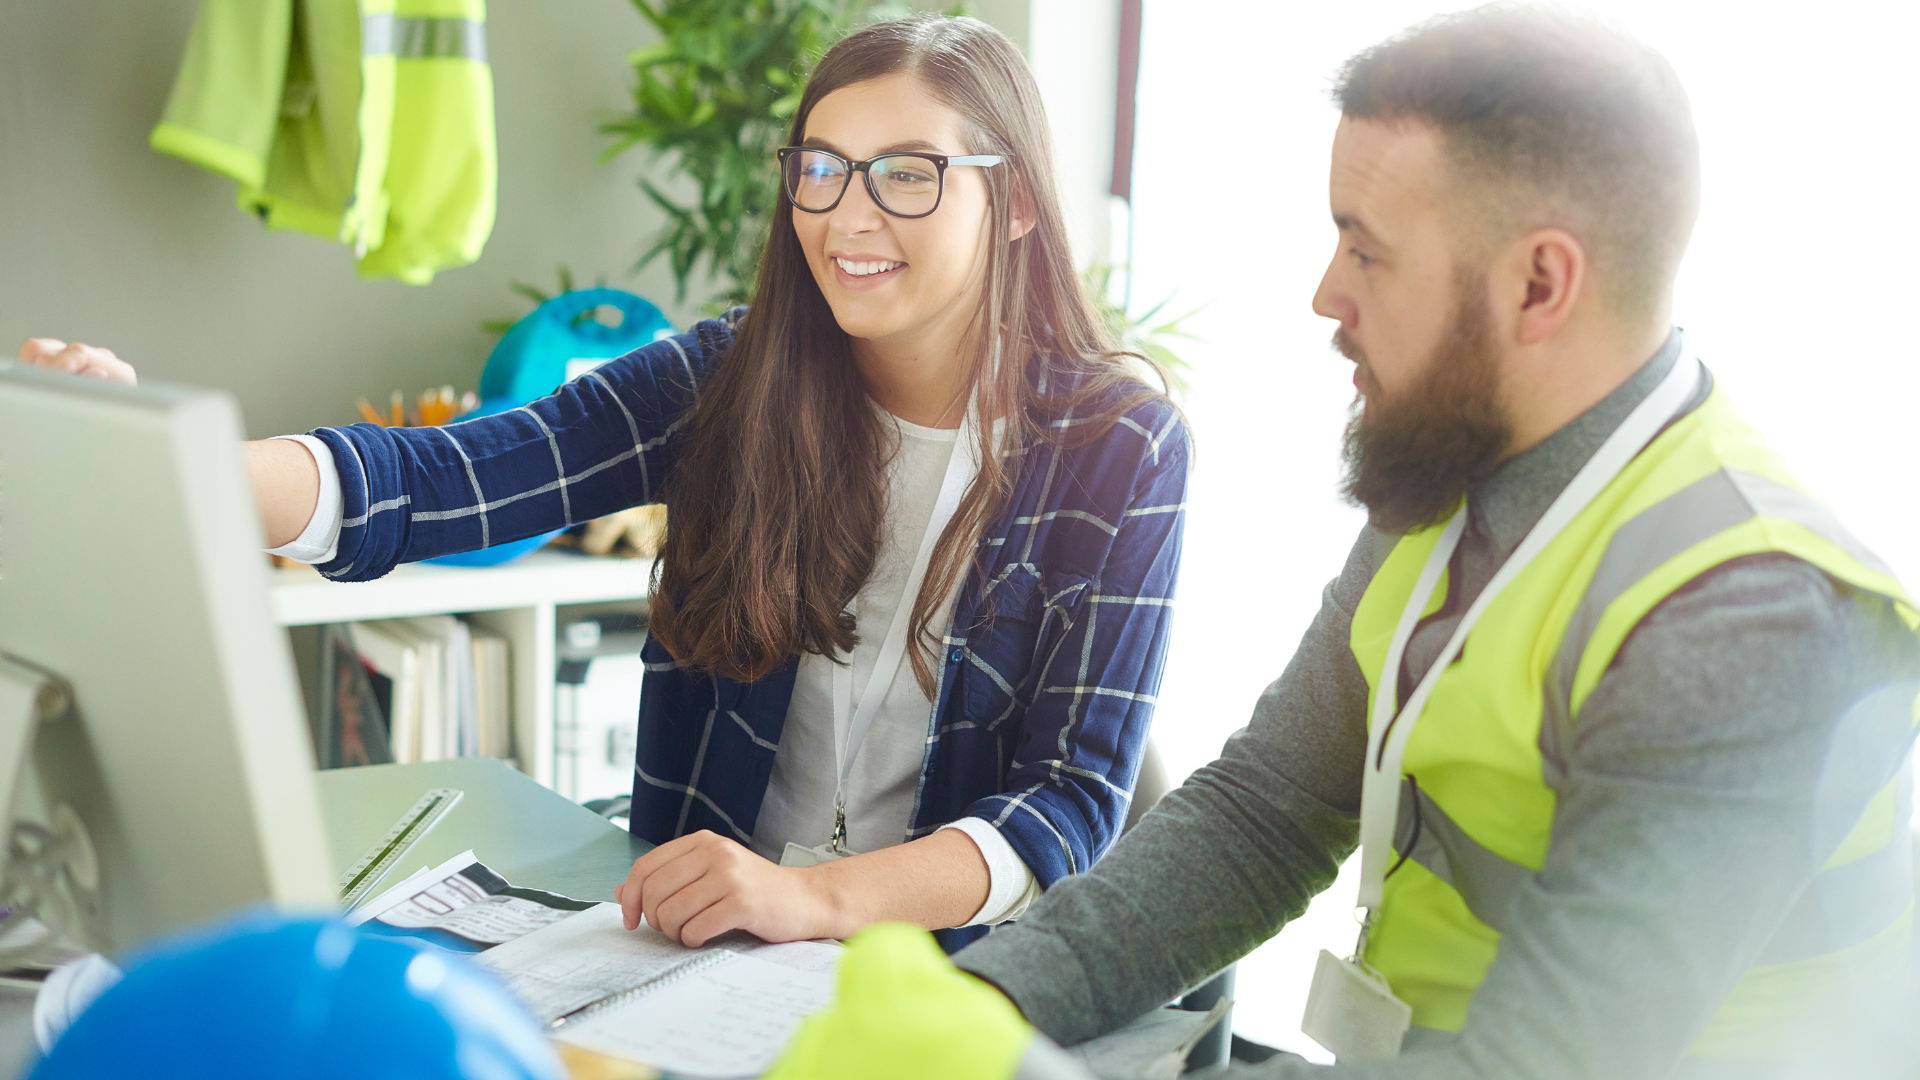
x=131, y=568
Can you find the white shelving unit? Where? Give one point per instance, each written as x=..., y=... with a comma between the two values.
x=520, y=601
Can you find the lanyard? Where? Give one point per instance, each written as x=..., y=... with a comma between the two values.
x=851, y=725
x=1391, y=727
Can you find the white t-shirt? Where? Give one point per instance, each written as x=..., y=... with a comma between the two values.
x=799, y=802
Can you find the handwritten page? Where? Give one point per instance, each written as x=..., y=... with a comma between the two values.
x=582, y=959
x=728, y=1019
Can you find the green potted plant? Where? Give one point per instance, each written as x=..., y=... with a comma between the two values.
x=712, y=98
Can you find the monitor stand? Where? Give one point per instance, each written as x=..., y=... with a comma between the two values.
x=51, y=871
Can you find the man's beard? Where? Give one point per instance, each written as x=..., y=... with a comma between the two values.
x=1414, y=458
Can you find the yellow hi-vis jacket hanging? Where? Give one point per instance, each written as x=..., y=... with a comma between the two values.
x=369, y=123
x=1476, y=779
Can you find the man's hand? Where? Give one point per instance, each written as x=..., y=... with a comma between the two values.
x=76, y=359
x=699, y=886
x=903, y=1009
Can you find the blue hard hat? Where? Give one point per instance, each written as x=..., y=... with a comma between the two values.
x=276, y=999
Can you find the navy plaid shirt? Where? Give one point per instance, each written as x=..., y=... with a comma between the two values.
x=1043, y=709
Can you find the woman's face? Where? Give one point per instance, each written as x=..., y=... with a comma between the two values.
x=930, y=269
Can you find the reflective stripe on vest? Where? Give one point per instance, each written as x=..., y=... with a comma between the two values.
x=386, y=34
x=1475, y=825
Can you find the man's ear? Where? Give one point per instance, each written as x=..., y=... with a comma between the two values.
x=1025, y=216
x=1547, y=273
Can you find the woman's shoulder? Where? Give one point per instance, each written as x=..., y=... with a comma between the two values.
x=689, y=357
x=1124, y=416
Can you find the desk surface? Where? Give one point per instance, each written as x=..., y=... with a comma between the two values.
x=528, y=834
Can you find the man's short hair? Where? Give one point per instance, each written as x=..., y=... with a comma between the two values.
x=1550, y=118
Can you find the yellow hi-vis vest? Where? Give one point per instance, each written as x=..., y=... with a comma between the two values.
x=369, y=123
x=1705, y=491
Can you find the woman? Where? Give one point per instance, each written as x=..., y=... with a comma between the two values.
x=913, y=605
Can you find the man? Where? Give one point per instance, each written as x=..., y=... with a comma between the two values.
x=1650, y=817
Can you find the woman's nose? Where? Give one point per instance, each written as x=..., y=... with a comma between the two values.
x=857, y=212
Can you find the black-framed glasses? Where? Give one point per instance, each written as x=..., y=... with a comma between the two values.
x=907, y=185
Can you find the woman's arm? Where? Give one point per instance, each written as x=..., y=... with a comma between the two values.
x=599, y=444
x=1089, y=692
x=699, y=886
x=286, y=486
x=286, y=482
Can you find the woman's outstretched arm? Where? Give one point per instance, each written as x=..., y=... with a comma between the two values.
x=286, y=482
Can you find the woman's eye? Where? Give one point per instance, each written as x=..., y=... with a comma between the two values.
x=1362, y=257
x=908, y=176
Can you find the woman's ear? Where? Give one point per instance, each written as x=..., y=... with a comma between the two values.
x=1025, y=216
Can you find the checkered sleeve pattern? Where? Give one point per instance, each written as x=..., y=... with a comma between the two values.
x=599, y=444
x=1070, y=642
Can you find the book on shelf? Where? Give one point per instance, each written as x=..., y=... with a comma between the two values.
x=394, y=661
x=490, y=683
x=446, y=684
x=350, y=726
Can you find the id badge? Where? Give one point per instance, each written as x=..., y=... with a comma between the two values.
x=1353, y=1012
x=795, y=855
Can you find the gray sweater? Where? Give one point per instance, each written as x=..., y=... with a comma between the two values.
x=1682, y=831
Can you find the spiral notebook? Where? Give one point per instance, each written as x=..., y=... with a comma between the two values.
x=720, y=1012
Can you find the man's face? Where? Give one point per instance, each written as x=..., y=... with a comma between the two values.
x=1414, y=319
x=1390, y=284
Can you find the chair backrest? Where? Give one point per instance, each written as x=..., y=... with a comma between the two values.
x=1149, y=786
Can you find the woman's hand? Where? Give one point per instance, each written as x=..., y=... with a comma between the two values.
x=77, y=359
x=702, y=885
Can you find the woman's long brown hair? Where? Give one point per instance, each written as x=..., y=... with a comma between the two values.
x=779, y=497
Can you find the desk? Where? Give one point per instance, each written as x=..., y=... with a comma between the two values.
x=527, y=833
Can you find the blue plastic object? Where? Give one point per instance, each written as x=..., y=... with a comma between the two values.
x=267, y=997
x=531, y=359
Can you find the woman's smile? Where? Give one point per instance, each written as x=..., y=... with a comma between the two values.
x=860, y=272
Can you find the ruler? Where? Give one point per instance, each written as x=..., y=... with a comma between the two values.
x=386, y=853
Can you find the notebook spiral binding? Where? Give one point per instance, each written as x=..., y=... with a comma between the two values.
x=674, y=974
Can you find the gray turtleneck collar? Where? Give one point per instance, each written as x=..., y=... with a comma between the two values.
x=1505, y=506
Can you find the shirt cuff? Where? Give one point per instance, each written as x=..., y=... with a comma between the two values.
x=320, y=540
x=1011, y=887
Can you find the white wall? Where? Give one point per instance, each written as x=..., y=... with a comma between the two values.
x=104, y=240
x=1074, y=48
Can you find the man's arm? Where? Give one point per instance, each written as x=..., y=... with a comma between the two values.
x=1683, y=831
x=1219, y=865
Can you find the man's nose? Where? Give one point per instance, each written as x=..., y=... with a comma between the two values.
x=1329, y=302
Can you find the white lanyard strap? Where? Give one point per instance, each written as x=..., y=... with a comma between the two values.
x=962, y=465
x=1391, y=726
